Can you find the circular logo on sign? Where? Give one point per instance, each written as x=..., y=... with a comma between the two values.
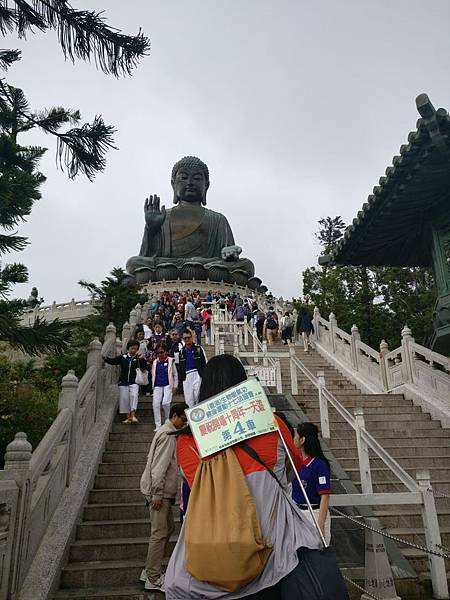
x=198, y=414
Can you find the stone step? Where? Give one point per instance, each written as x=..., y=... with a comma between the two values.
x=372, y=402
x=407, y=462
x=109, y=573
x=395, y=447
x=132, y=436
x=124, y=528
x=393, y=435
x=404, y=516
x=389, y=415
x=115, y=496
x=112, y=482
x=131, y=468
x=380, y=474
x=128, y=592
x=115, y=512
x=114, y=549
x=433, y=437
x=416, y=535
x=396, y=486
x=125, y=447
x=125, y=457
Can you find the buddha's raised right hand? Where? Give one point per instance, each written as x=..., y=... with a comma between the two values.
x=154, y=215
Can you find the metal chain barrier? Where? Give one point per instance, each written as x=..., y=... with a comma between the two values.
x=392, y=537
x=437, y=494
x=359, y=588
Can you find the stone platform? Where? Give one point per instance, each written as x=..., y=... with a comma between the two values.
x=157, y=287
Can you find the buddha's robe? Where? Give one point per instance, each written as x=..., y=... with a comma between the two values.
x=189, y=234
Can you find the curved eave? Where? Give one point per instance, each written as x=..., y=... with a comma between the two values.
x=390, y=228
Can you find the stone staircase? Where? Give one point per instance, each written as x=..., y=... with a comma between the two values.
x=109, y=551
x=408, y=434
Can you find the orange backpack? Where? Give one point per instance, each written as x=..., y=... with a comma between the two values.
x=223, y=540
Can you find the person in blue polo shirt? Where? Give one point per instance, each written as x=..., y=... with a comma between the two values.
x=192, y=361
x=315, y=476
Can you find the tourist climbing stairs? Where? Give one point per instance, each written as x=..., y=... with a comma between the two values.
x=108, y=554
x=410, y=436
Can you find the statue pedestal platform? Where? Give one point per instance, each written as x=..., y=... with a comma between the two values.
x=181, y=285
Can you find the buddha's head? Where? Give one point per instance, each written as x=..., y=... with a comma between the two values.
x=190, y=181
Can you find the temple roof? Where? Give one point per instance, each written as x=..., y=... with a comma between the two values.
x=389, y=230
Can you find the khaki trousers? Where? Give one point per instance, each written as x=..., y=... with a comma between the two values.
x=271, y=335
x=162, y=528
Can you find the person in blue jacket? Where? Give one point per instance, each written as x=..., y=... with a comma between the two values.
x=315, y=476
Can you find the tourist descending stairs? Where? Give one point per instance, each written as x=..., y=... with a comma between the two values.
x=107, y=557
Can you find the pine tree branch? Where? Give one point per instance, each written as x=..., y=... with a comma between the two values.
x=12, y=243
x=84, y=34
x=48, y=338
x=54, y=118
x=80, y=149
x=8, y=57
x=14, y=273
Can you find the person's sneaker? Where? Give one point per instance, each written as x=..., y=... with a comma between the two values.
x=143, y=576
x=158, y=584
x=155, y=430
x=134, y=419
x=127, y=420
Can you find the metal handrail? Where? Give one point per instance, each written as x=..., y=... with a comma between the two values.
x=392, y=464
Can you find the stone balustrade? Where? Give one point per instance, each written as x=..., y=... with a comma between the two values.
x=74, y=310
x=50, y=484
x=413, y=370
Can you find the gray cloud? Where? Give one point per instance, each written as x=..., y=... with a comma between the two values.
x=297, y=107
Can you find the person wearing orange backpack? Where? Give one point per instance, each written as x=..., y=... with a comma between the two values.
x=283, y=527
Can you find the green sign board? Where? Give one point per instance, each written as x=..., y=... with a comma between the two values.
x=235, y=415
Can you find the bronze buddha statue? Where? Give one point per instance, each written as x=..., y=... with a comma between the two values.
x=189, y=241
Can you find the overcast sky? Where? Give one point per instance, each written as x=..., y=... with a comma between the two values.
x=296, y=106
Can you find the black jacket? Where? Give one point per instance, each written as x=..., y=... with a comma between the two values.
x=304, y=324
x=199, y=361
x=128, y=367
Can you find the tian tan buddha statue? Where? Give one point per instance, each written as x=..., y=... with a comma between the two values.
x=188, y=241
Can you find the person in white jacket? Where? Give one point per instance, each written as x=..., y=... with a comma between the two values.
x=165, y=383
x=160, y=484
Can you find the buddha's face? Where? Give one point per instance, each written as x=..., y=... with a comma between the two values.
x=190, y=185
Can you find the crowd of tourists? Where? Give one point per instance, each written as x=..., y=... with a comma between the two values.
x=167, y=357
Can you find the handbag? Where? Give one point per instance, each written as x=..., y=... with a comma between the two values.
x=141, y=377
x=317, y=575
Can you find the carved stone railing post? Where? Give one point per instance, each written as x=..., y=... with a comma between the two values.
x=133, y=320
x=110, y=333
x=126, y=335
x=236, y=345
x=432, y=535
x=118, y=346
x=333, y=325
x=94, y=357
x=265, y=361
x=9, y=500
x=363, y=453
x=138, y=309
x=293, y=370
x=407, y=358
x=323, y=406
x=356, y=337
x=17, y=467
x=68, y=398
x=316, y=315
x=294, y=331
x=384, y=349
x=278, y=377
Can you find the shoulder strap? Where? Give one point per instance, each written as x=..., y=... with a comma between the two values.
x=251, y=452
